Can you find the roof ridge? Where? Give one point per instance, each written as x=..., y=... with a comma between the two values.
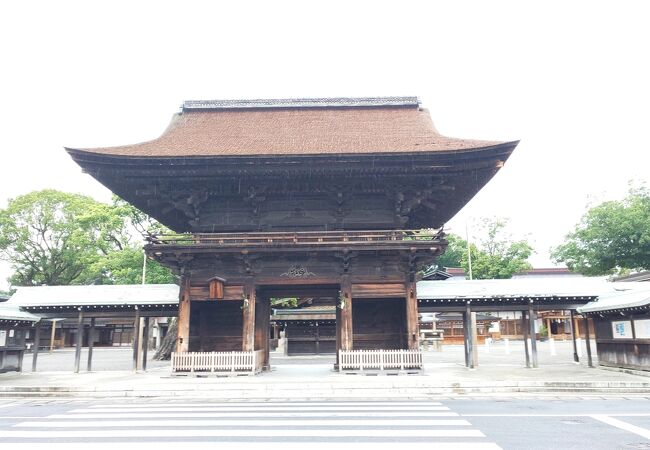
x=325, y=102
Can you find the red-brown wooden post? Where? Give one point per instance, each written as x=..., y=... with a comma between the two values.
x=248, y=311
x=183, y=342
x=345, y=324
x=412, y=326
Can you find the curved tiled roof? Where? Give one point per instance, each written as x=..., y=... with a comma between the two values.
x=296, y=127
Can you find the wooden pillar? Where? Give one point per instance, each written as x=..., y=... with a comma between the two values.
x=183, y=339
x=412, y=327
x=345, y=324
x=548, y=328
x=524, y=332
x=37, y=344
x=52, y=335
x=466, y=344
x=533, y=336
x=266, y=328
x=590, y=362
x=262, y=328
x=145, y=343
x=80, y=334
x=473, y=341
x=573, y=338
x=248, y=311
x=338, y=334
x=136, y=338
x=91, y=338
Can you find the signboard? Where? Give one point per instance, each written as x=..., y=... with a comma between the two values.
x=642, y=329
x=622, y=329
x=3, y=338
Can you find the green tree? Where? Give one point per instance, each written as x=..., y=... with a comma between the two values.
x=57, y=238
x=611, y=237
x=455, y=250
x=496, y=254
x=125, y=267
x=53, y=237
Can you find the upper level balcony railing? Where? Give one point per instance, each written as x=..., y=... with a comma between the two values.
x=299, y=238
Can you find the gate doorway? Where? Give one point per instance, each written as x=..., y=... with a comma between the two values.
x=302, y=323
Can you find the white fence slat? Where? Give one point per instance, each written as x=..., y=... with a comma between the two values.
x=216, y=361
x=379, y=359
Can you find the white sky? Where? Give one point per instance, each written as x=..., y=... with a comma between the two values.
x=568, y=78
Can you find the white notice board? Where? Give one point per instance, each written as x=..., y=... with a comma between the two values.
x=642, y=329
x=3, y=338
x=622, y=329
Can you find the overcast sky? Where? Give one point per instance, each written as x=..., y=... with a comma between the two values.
x=570, y=79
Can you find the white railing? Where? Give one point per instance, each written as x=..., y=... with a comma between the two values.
x=191, y=362
x=379, y=359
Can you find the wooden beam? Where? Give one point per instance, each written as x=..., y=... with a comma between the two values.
x=52, y=336
x=80, y=333
x=412, y=327
x=345, y=324
x=37, y=344
x=184, y=303
x=136, y=338
x=573, y=338
x=248, y=311
x=473, y=341
x=466, y=344
x=524, y=331
x=590, y=362
x=533, y=336
x=91, y=338
x=145, y=343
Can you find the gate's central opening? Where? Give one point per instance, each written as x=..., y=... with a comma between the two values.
x=302, y=323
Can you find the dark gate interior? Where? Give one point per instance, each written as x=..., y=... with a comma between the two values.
x=311, y=338
x=216, y=326
x=379, y=323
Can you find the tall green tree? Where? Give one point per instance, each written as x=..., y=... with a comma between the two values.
x=53, y=237
x=453, y=256
x=496, y=254
x=56, y=238
x=612, y=237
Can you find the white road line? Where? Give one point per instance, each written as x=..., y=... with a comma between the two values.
x=558, y=415
x=234, y=415
x=247, y=423
x=238, y=445
x=265, y=408
x=158, y=433
x=9, y=405
x=301, y=403
x=644, y=432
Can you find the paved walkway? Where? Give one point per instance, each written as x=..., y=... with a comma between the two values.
x=500, y=371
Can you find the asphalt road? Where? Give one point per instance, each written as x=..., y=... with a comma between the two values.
x=490, y=423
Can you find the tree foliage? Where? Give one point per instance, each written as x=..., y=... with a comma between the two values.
x=497, y=254
x=494, y=255
x=611, y=237
x=57, y=238
x=453, y=256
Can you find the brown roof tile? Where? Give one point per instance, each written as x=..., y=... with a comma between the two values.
x=309, y=130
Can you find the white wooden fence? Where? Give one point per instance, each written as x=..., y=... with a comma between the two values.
x=379, y=359
x=213, y=362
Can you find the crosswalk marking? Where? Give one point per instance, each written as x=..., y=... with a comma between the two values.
x=265, y=404
x=266, y=408
x=250, y=432
x=285, y=424
x=237, y=422
x=205, y=415
x=238, y=445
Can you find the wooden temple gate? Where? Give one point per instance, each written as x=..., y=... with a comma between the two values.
x=315, y=194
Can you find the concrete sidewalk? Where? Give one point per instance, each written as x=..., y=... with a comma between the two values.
x=499, y=373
